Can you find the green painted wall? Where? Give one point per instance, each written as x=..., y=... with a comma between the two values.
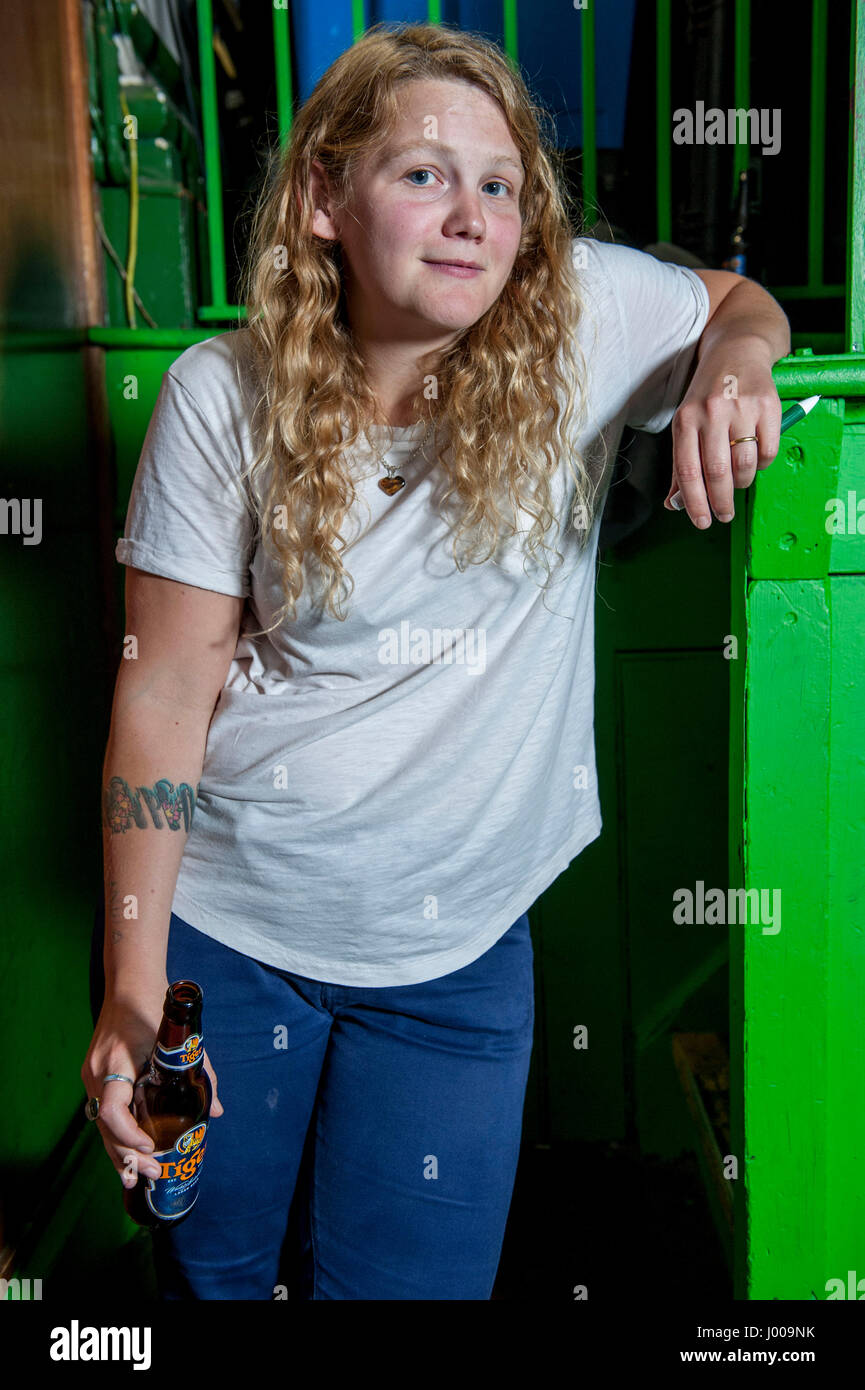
x=53, y=680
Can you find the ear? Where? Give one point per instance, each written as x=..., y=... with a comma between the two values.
x=323, y=224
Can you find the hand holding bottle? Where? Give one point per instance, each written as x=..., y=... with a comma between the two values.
x=122, y=1043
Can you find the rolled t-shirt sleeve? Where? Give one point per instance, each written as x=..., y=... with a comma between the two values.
x=188, y=517
x=664, y=308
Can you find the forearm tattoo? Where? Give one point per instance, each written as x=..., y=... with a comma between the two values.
x=123, y=808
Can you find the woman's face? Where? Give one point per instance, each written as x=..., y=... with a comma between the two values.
x=445, y=188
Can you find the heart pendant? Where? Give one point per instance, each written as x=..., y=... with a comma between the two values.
x=391, y=484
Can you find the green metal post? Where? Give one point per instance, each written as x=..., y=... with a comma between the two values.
x=817, y=146
x=358, y=19
x=854, y=327
x=741, y=83
x=509, y=27
x=282, y=70
x=217, y=309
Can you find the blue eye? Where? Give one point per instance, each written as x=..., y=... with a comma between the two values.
x=412, y=173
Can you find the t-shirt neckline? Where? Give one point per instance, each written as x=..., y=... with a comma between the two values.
x=404, y=437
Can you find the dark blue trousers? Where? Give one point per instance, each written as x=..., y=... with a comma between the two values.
x=388, y=1120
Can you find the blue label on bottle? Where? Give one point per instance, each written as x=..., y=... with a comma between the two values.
x=179, y=1058
x=736, y=262
x=174, y=1192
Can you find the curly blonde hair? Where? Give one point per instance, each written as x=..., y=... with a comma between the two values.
x=501, y=386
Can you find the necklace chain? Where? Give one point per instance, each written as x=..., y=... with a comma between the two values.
x=393, y=482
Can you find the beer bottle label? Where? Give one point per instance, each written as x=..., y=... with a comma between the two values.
x=179, y=1058
x=735, y=262
x=174, y=1192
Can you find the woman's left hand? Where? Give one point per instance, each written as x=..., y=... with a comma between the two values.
x=721, y=406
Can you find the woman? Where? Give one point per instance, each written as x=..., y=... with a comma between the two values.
x=431, y=385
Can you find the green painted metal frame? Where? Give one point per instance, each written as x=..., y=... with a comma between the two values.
x=741, y=79
x=816, y=145
x=282, y=66
x=797, y=807
x=797, y=804
x=855, y=296
x=219, y=311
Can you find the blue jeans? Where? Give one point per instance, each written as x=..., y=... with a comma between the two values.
x=387, y=1119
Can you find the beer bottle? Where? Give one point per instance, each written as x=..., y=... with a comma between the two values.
x=737, y=255
x=171, y=1103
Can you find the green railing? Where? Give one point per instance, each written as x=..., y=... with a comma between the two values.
x=218, y=310
x=814, y=288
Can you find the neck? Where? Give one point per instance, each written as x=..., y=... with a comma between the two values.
x=395, y=368
x=394, y=376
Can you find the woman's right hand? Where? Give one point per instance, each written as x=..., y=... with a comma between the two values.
x=122, y=1042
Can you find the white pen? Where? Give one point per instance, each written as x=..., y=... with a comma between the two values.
x=792, y=415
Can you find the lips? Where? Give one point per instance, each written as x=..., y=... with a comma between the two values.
x=456, y=270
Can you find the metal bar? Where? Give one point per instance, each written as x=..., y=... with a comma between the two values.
x=817, y=142
x=282, y=70
x=663, y=123
x=358, y=19
x=147, y=337
x=854, y=327
x=46, y=340
x=221, y=313
x=212, y=169
x=741, y=83
x=842, y=374
x=109, y=91
x=509, y=27
x=589, y=162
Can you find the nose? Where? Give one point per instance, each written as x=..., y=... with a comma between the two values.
x=465, y=217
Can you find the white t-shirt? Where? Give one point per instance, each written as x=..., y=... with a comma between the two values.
x=382, y=797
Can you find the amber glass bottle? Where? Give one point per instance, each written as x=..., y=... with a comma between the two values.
x=171, y=1103
x=737, y=255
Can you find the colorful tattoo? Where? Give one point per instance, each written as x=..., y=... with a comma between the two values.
x=122, y=805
